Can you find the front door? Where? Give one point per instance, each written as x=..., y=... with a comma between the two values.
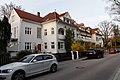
x=39, y=47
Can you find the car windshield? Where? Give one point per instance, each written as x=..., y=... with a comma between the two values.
x=26, y=59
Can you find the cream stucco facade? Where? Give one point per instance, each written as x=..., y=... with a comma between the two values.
x=51, y=34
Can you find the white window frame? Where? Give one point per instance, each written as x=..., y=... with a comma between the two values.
x=52, y=30
x=61, y=45
x=28, y=30
x=13, y=18
x=15, y=32
x=45, y=45
x=45, y=32
x=28, y=45
x=39, y=30
x=52, y=45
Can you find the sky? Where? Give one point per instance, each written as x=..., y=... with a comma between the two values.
x=89, y=12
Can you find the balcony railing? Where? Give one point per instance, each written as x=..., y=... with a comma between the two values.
x=61, y=36
x=14, y=39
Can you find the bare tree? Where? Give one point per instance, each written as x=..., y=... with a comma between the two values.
x=114, y=9
x=106, y=29
x=5, y=10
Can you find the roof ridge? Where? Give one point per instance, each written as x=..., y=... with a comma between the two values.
x=29, y=16
x=27, y=12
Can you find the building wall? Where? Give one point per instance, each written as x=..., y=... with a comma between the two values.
x=99, y=40
x=15, y=22
x=29, y=37
x=20, y=25
x=62, y=37
x=49, y=37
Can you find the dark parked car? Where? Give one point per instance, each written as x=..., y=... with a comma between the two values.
x=97, y=53
x=117, y=50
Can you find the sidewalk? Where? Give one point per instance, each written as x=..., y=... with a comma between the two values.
x=64, y=62
x=69, y=61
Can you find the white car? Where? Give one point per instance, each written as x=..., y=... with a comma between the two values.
x=28, y=66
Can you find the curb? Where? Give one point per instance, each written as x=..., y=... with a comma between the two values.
x=64, y=62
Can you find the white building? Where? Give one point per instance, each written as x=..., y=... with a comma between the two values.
x=46, y=34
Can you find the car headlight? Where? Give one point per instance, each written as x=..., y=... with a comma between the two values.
x=7, y=71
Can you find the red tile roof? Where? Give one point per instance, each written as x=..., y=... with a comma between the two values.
x=32, y=17
x=93, y=31
x=62, y=14
x=29, y=16
x=50, y=16
x=79, y=25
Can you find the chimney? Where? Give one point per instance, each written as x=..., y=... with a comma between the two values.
x=38, y=14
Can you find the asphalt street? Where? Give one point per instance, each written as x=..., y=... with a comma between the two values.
x=105, y=68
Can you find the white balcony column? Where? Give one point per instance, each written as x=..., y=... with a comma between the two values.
x=77, y=54
x=72, y=55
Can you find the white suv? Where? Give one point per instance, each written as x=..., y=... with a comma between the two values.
x=28, y=66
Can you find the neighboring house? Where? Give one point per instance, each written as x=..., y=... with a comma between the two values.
x=46, y=34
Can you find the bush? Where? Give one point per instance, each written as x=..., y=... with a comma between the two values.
x=23, y=53
x=76, y=46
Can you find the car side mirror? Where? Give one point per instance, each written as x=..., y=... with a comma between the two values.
x=34, y=61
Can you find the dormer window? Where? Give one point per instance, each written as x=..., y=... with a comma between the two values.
x=88, y=30
x=66, y=20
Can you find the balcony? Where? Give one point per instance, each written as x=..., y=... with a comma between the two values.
x=14, y=39
x=61, y=36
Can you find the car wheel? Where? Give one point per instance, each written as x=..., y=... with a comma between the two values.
x=102, y=55
x=18, y=76
x=53, y=68
x=98, y=57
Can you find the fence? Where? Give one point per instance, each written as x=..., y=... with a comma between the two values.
x=4, y=59
x=66, y=56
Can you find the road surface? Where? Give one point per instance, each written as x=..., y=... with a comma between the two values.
x=85, y=69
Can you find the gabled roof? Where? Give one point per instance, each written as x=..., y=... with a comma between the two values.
x=28, y=16
x=93, y=31
x=79, y=25
x=62, y=14
x=50, y=16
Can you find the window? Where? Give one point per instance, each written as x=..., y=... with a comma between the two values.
x=38, y=32
x=67, y=20
x=15, y=32
x=61, y=31
x=52, y=45
x=60, y=45
x=52, y=30
x=27, y=30
x=45, y=32
x=38, y=58
x=26, y=59
x=45, y=45
x=27, y=45
x=47, y=57
x=97, y=38
x=13, y=18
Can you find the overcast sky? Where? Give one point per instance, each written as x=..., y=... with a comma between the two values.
x=89, y=12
